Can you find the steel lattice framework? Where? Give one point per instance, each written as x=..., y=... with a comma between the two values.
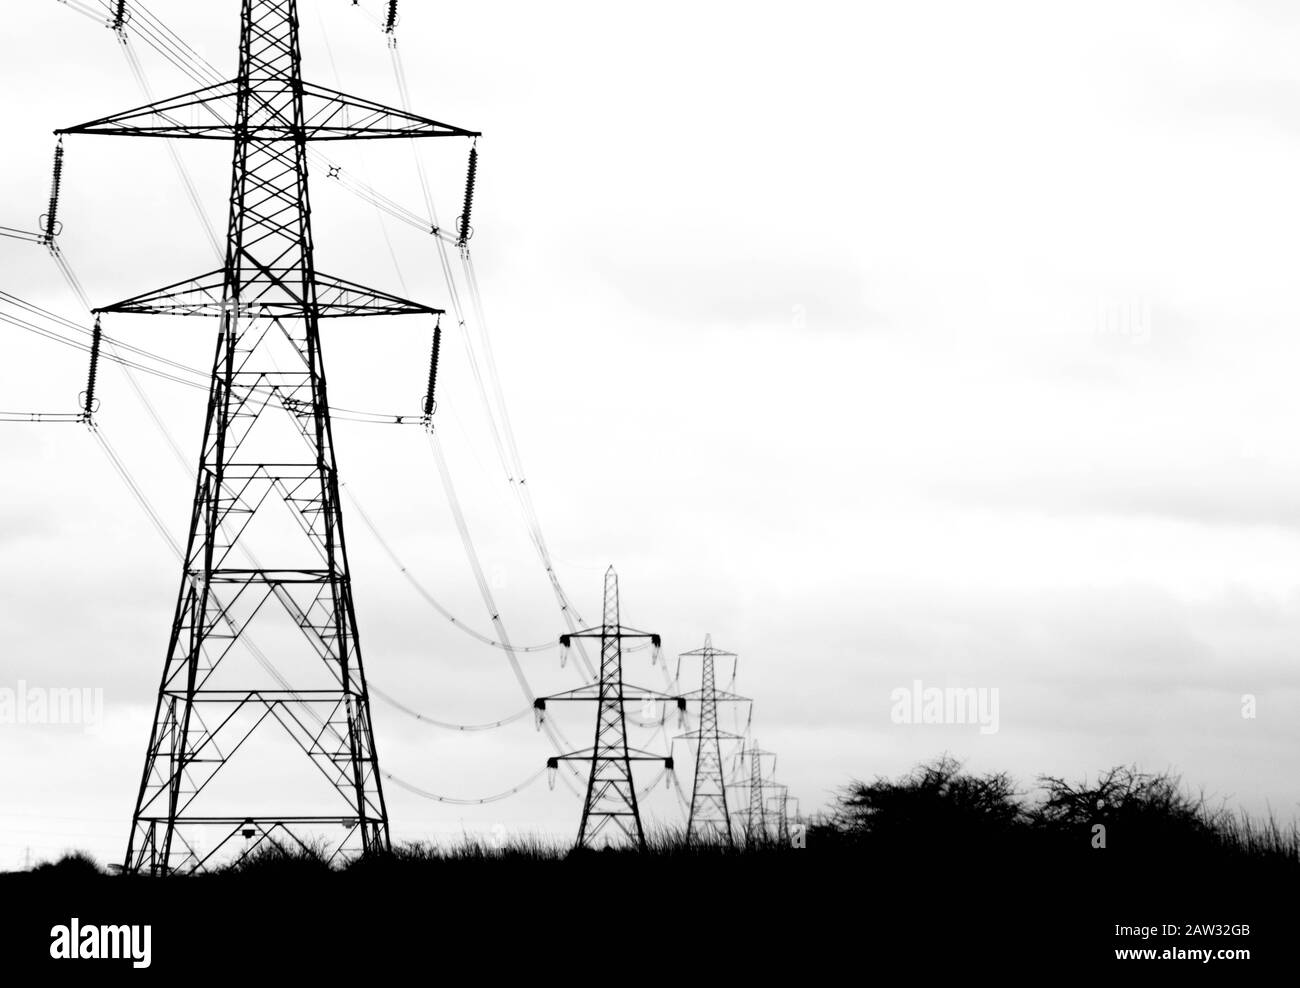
x=266, y=543
x=709, y=820
x=756, y=824
x=781, y=807
x=611, y=794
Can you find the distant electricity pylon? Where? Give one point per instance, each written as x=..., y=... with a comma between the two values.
x=611, y=793
x=780, y=806
x=758, y=786
x=709, y=820
x=267, y=483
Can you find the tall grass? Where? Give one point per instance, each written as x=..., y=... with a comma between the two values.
x=936, y=808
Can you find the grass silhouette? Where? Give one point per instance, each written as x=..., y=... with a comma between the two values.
x=936, y=862
x=1152, y=817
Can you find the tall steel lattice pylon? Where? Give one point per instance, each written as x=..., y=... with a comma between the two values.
x=781, y=807
x=756, y=824
x=266, y=553
x=611, y=792
x=709, y=820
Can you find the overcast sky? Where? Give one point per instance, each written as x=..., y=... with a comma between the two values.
x=884, y=342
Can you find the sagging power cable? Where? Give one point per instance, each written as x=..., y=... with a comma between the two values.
x=423, y=592
x=191, y=192
x=496, y=429
x=41, y=417
x=426, y=794
x=9, y=231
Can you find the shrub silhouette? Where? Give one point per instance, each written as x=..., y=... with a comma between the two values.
x=934, y=805
x=288, y=860
x=1146, y=814
x=73, y=865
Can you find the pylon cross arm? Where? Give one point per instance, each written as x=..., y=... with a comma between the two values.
x=269, y=293
x=209, y=114
x=721, y=696
x=600, y=632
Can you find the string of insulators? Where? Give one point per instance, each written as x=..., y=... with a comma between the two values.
x=119, y=15
x=465, y=232
x=429, y=403
x=95, y=339
x=50, y=221
x=391, y=22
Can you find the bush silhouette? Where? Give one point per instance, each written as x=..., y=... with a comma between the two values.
x=1146, y=816
x=1150, y=815
x=934, y=805
x=73, y=865
x=282, y=860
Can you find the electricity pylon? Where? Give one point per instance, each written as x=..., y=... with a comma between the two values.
x=267, y=484
x=756, y=829
x=709, y=820
x=611, y=794
x=780, y=805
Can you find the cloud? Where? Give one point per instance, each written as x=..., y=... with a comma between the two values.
x=719, y=288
